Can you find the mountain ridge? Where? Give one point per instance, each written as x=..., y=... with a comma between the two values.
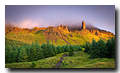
x=59, y=35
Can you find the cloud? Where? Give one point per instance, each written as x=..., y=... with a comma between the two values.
x=28, y=23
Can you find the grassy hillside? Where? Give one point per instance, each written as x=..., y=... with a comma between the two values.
x=15, y=43
x=30, y=48
x=78, y=60
x=57, y=36
x=26, y=37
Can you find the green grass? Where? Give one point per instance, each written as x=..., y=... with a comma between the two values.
x=43, y=63
x=60, y=42
x=78, y=60
x=81, y=60
x=27, y=37
x=14, y=43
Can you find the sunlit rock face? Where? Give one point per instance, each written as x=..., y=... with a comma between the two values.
x=83, y=25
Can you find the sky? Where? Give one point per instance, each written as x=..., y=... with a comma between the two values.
x=29, y=16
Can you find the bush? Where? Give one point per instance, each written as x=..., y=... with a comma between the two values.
x=33, y=65
x=71, y=52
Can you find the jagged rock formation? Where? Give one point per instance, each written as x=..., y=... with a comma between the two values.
x=96, y=32
x=65, y=28
x=57, y=30
x=6, y=31
x=83, y=25
x=61, y=26
x=15, y=28
x=58, y=27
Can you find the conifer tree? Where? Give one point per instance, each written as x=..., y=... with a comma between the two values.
x=15, y=54
x=22, y=55
x=87, y=48
x=11, y=54
x=110, y=45
x=59, y=49
x=45, y=50
x=40, y=54
x=33, y=52
x=113, y=48
x=67, y=48
x=54, y=49
x=93, y=49
x=7, y=54
x=101, y=49
x=62, y=50
x=71, y=50
x=108, y=48
x=80, y=48
x=50, y=50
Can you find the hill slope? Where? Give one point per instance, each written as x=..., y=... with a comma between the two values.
x=57, y=35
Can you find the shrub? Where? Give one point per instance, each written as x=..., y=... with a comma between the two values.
x=33, y=65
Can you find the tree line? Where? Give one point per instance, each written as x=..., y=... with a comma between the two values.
x=101, y=49
x=34, y=51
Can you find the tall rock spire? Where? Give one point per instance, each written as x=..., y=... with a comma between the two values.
x=83, y=25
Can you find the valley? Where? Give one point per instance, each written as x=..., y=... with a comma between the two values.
x=59, y=47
